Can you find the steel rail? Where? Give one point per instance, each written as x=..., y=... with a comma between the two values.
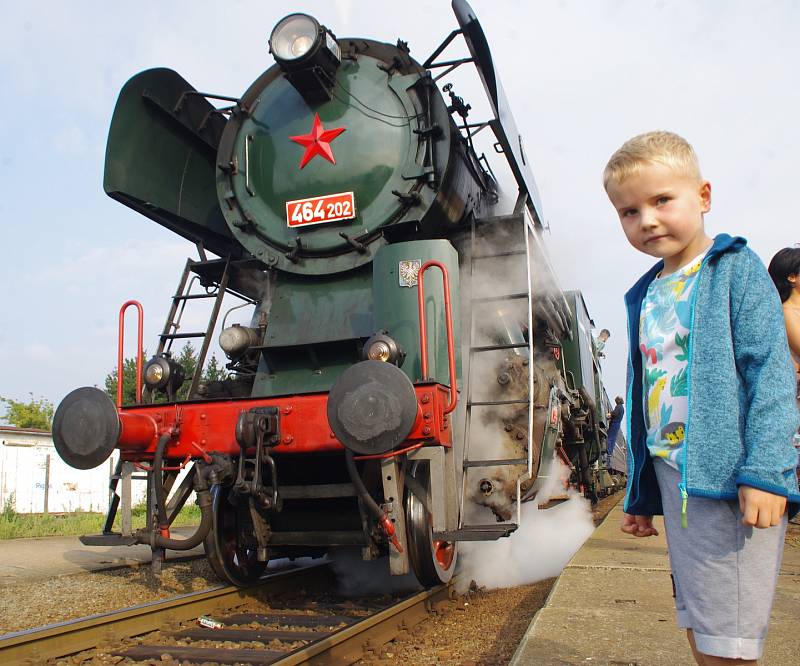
x=65, y=638
x=351, y=643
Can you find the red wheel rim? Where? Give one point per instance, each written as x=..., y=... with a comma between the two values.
x=444, y=551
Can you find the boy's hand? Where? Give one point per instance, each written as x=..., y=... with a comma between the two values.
x=760, y=508
x=640, y=526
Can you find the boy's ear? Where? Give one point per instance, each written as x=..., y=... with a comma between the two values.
x=705, y=196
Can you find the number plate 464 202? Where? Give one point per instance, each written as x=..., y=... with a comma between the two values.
x=318, y=210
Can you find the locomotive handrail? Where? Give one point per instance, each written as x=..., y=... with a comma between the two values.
x=423, y=340
x=120, y=344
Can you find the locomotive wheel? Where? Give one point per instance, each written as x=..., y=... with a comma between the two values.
x=433, y=562
x=233, y=562
x=587, y=484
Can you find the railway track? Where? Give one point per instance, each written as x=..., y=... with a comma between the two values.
x=295, y=631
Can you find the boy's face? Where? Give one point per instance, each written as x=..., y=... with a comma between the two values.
x=661, y=213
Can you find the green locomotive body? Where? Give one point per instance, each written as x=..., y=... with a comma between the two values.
x=411, y=369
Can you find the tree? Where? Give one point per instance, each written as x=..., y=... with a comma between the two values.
x=35, y=413
x=128, y=380
x=214, y=371
x=188, y=361
x=187, y=358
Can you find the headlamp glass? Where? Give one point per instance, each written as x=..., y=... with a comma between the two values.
x=294, y=37
x=153, y=373
x=379, y=351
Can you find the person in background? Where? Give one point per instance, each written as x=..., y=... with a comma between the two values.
x=614, y=422
x=600, y=341
x=711, y=410
x=784, y=269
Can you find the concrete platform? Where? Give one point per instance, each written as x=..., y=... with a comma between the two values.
x=46, y=557
x=613, y=604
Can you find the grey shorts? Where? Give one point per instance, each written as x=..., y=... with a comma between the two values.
x=724, y=573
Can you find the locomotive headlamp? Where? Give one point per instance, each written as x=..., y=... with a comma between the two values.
x=380, y=347
x=153, y=374
x=163, y=373
x=379, y=351
x=308, y=54
x=293, y=37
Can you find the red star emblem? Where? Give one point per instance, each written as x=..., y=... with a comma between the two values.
x=317, y=142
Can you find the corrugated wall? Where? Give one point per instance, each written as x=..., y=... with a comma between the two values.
x=24, y=459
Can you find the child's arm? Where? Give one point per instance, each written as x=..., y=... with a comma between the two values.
x=640, y=526
x=763, y=362
x=760, y=508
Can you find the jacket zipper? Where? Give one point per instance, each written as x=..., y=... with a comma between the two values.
x=628, y=439
x=685, y=452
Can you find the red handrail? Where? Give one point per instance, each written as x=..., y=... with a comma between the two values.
x=423, y=340
x=120, y=344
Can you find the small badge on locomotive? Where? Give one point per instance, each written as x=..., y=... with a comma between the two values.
x=408, y=272
x=318, y=210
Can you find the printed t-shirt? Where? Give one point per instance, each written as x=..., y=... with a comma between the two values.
x=664, y=332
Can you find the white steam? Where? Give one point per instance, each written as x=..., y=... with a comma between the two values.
x=546, y=538
x=540, y=548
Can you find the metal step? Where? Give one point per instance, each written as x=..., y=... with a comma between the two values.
x=491, y=532
x=486, y=403
x=114, y=539
x=191, y=297
x=495, y=463
x=510, y=345
x=176, y=336
x=501, y=297
x=510, y=253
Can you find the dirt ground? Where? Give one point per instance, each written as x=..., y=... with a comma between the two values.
x=483, y=629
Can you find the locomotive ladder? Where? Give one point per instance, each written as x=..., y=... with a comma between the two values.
x=494, y=531
x=182, y=295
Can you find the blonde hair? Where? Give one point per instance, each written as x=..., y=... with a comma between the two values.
x=665, y=148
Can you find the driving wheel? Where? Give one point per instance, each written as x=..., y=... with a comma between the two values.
x=231, y=544
x=432, y=561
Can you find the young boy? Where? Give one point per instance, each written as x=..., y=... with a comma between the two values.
x=710, y=401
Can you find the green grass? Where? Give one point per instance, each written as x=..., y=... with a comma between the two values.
x=15, y=525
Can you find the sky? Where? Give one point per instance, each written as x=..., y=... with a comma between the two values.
x=581, y=78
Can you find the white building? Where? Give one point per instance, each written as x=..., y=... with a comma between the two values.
x=34, y=479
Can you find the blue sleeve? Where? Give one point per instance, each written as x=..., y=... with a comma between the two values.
x=763, y=362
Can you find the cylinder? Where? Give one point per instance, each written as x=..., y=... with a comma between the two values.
x=137, y=431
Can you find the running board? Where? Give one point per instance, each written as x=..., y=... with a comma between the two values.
x=114, y=539
x=495, y=463
x=491, y=532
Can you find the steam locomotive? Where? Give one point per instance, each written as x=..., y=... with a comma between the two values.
x=412, y=370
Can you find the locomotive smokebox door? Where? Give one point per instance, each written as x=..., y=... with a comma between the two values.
x=86, y=428
x=372, y=408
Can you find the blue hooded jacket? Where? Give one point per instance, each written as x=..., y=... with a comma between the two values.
x=742, y=410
